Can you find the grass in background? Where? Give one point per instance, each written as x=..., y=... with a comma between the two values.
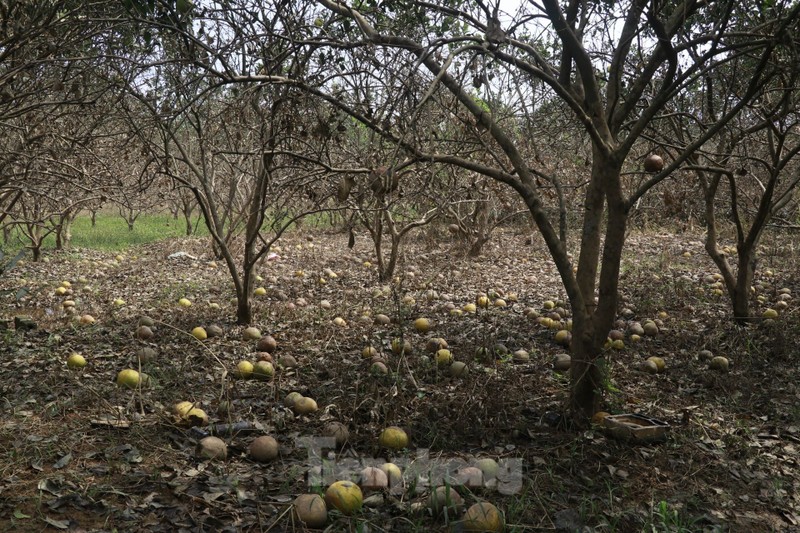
x=111, y=232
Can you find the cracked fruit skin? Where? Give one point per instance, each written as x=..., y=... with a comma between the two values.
x=393, y=438
x=483, y=516
x=345, y=496
x=310, y=509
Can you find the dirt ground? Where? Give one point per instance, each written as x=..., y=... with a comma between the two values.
x=79, y=453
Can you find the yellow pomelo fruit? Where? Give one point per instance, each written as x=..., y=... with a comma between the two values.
x=423, y=325
x=76, y=360
x=196, y=417
x=244, y=369
x=128, y=378
x=251, y=334
x=291, y=399
x=770, y=313
x=444, y=357
x=181, y=408
x=394, y=438
x=263, y=370
x=345, y=496
x=659, y=362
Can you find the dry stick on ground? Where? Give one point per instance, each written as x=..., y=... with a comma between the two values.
x=289, y=508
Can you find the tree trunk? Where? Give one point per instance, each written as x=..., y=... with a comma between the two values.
x=477, y=246
x=389, y=268
x=740, y=296
x=244, y=308
x=592, y=324
x=64, y=233
x=588, y=372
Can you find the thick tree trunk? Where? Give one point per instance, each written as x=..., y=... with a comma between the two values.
x=588, y=373
x=64, y=234
x=740, y=295
x=244, y=309
x=592, y=324
x=477, y=245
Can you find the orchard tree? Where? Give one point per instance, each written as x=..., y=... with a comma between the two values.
x=255, y=156
x=611, y=67
x=50, y=52
x=749, y=170
x=608, y=69
x=754, y=163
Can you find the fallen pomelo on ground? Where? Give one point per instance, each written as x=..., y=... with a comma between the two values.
x=263, y=449
x=338, y=431
x=128, y=378
x=291, y=399
x=445, y=499
x=263, y=370
x=76, y=360
x=394, y=474
x=196, y=417
x=244, y=369
x=345, y=496
x=310, y=509
x=305, y=405
x=181, y=408
x=211, y=448
x=423, y=325
x=373, y=478
x=444, y=357
x=393, y=438
x=485, y=517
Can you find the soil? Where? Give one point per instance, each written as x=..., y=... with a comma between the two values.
x=79, y=453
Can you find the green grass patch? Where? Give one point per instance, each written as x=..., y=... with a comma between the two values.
x=111, y=232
